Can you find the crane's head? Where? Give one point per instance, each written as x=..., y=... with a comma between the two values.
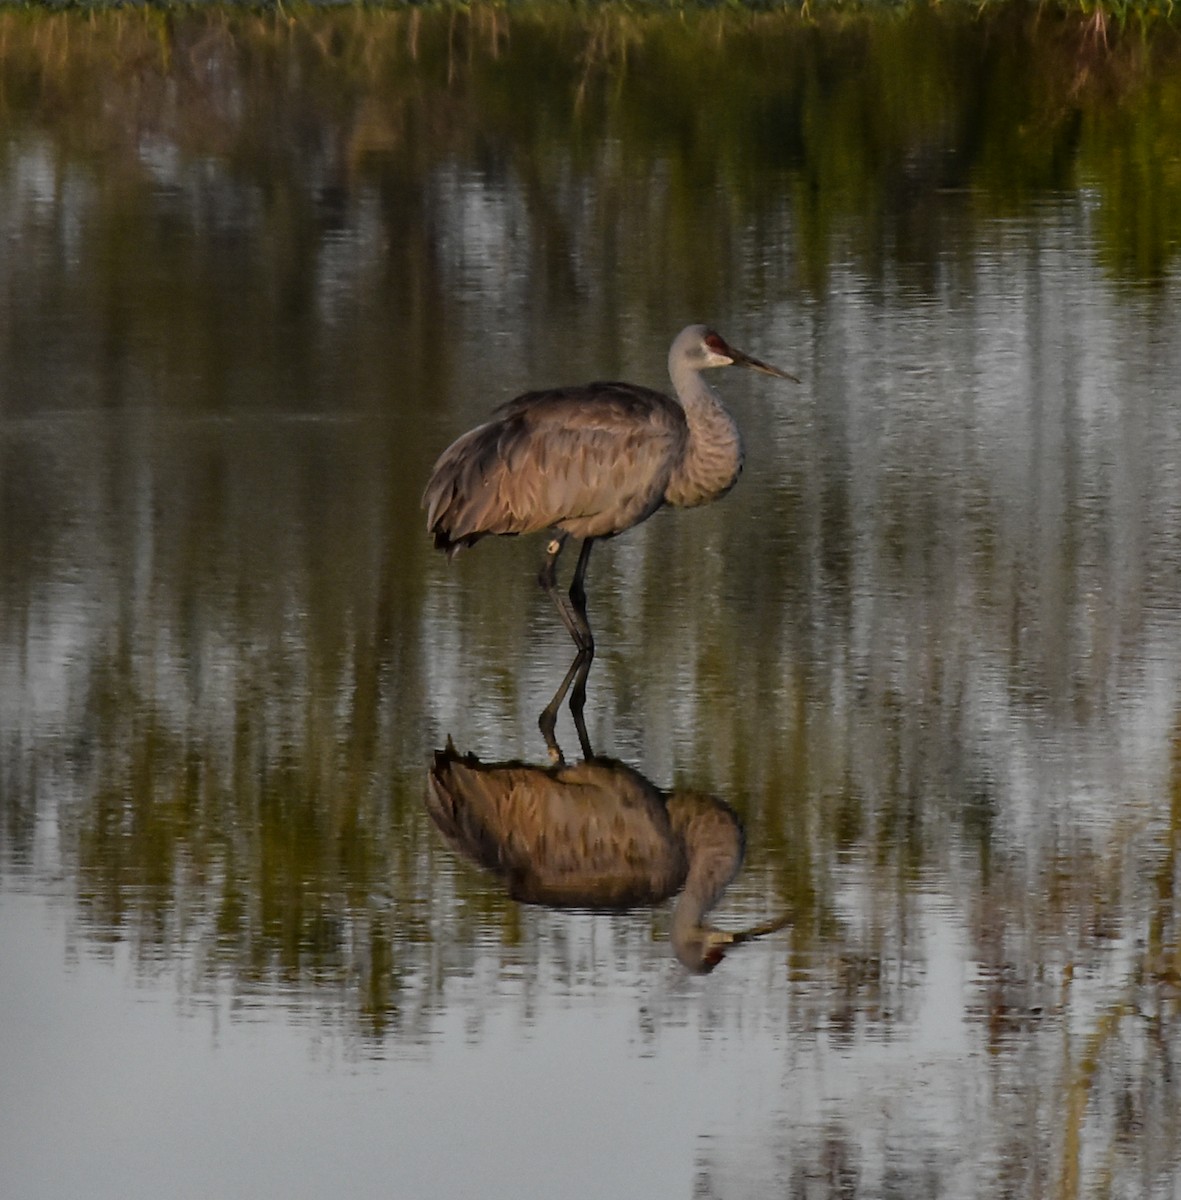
x=700, y=347
x=701, y=949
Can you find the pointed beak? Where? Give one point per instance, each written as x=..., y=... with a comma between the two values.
x=758, y=931
x=746, y=360
x=715, y=942
x=714, y=949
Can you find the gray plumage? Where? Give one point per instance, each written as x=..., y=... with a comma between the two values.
x=561, y=459
x=593, y=460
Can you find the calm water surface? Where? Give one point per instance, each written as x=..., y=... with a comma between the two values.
x=256, y=275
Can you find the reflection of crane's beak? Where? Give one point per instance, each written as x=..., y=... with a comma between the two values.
x=718, y=941
x=746, y=360
x=758, y=931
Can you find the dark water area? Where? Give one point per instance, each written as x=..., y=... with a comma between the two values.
x=256, y=272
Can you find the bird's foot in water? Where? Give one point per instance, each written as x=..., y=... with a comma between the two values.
x=546, y=722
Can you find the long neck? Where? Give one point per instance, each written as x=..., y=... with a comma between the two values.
x=714, y=844
x=713, y=457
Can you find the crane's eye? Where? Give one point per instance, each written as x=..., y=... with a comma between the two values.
x=715, y=343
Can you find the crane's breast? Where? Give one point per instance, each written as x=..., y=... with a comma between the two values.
x=712, y=462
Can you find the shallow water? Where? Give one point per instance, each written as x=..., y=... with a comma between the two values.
x=928, y=649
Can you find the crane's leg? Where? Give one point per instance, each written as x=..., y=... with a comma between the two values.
x=572, y=610
x=578, y=595
x=578, y=600
x=546, y=722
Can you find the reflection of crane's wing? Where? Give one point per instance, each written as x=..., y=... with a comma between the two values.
x=595, y=458
x=594, y=834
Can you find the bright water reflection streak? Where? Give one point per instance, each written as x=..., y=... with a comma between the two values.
x=928, y=650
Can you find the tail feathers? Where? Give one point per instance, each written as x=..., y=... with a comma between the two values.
x=466, y=805
x=481, y=486
x=443, y=503
x=459, y=492
x=452, y=546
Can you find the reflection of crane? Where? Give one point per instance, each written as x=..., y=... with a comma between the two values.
x=596, y=835
x=591, y=461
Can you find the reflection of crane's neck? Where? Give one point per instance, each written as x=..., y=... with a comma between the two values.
x=713, y=457
x=710, y=870
x=688, y=915
x=713, y=844
x=690, y=934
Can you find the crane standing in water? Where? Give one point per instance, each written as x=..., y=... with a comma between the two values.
x=591, y=461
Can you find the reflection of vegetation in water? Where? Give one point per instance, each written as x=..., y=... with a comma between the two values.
x=853, y=117
x=283, y=861
x=277, y=865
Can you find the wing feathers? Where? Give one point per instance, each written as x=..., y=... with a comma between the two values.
x=596, y=833
x=592, y=460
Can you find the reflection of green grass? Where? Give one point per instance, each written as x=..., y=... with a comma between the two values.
x=859, y=115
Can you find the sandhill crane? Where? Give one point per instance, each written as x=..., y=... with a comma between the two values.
x=596, y=835
x=591, y=461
